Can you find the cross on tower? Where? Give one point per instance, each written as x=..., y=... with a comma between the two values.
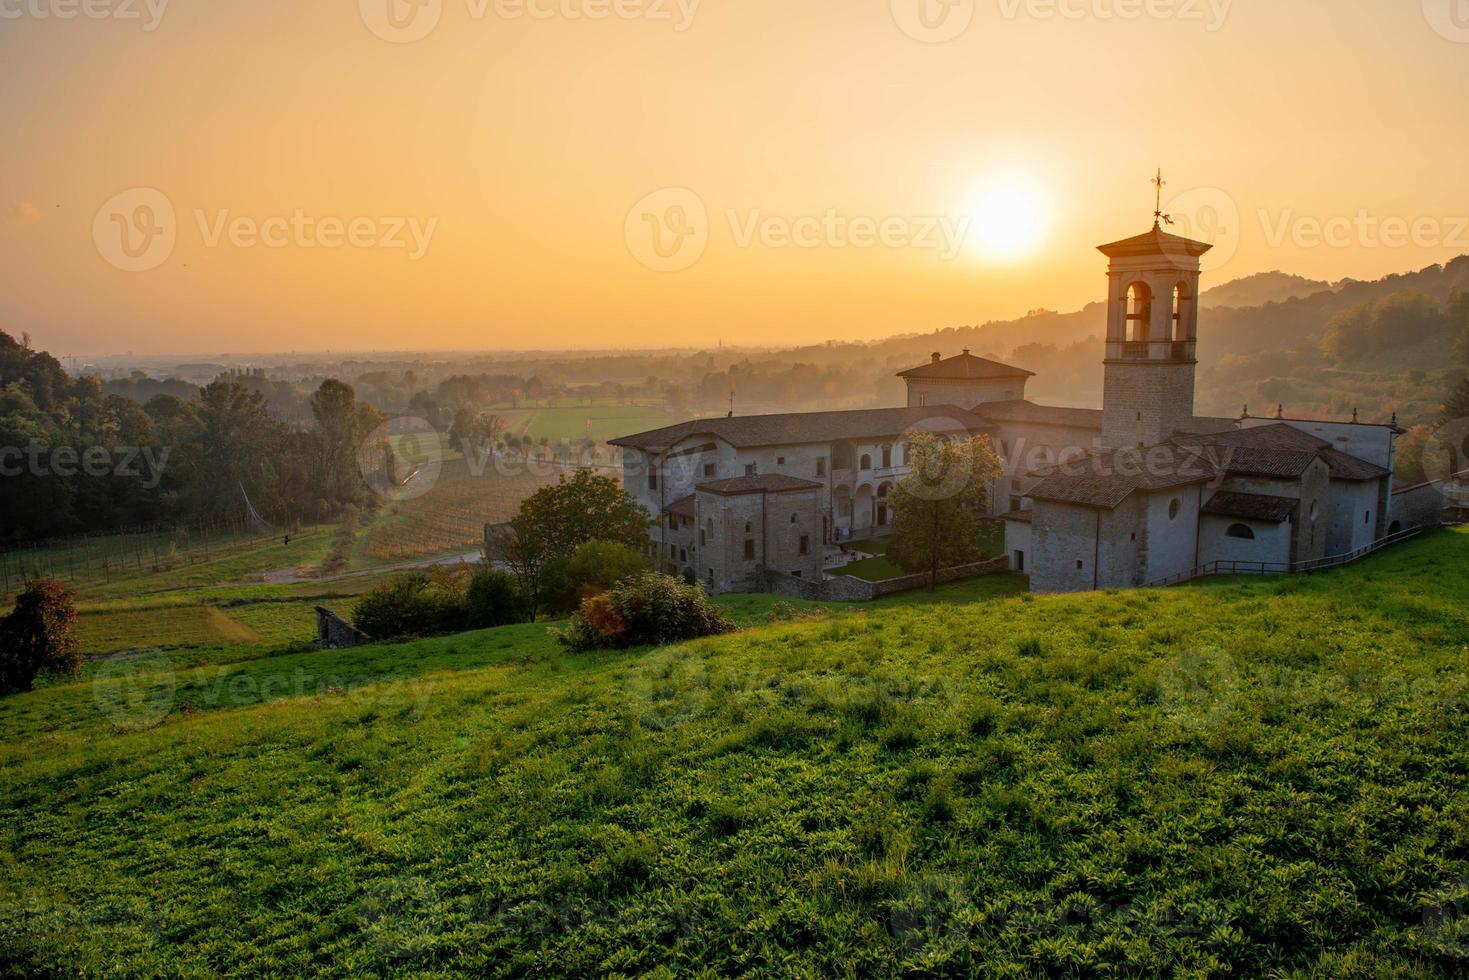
x=1159, y=218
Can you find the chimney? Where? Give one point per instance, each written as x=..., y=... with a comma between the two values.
x=937, y=357
x=966, y=352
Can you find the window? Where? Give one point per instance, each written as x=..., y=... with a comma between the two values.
x=1367, y=517
x=747, y=527
x=1080, y=564
x=708, y=470
x=805, y=545
x=887, y=457
x=1315, y=509
x=1139, y=312
x=1242, y=531
x=1015, y=503
x=1174, y=506
x=795, y=518
x=703, y=538
x=821, y=467
x=1020, y=561
x=922, y=401
x=1014, y=484
x=652, y=481
x=866, y=461
x=796, y=573
x=683, y=554
x=780, y=461
x=749, y=469
x=749, y=550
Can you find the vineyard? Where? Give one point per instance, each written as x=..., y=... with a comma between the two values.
x=452, y=514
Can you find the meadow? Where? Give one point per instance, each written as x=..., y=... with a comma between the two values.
x=1241, y=778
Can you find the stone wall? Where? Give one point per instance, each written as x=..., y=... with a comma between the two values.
x=1420, y=506
x=848, y=588
x=335, y=633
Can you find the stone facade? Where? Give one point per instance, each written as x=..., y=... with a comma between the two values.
x=740, y=535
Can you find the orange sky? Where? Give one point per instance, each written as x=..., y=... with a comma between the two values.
x=518, y=146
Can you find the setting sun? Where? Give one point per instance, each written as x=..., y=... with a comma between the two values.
x=1006, y=224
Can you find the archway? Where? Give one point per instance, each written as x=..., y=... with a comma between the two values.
x=1139, y=301
x=862, y=508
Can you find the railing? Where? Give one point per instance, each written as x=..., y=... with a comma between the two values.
x=1136, y=350
x=1229, y=567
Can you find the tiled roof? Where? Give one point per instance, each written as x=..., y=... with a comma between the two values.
x=683, y=507
x=1019, y=516
x=1107, y=479
x=1028, y=411
x=1348, y=467
x=1280, y=450
x=772, y=483
x=965, y=367
x=1155, y=242
x=1250, y=506
x=748, y=431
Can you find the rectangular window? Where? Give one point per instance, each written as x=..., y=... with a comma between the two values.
x=1020, y=561
x=1367, y=517
x=780, y=461
x=1014, y=504
x=708, y=470
x=1014, y=484
x=821, y=467
x=703, y=538
x=652, y=481
x=887, y=457
x=683, y=555
x=805, y=545
x=749, y=469
x=749, y=551
x=1080, y=564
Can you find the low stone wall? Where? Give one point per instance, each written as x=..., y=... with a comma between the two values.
x=1420, y=506
x=335, y=633
x=848, y=588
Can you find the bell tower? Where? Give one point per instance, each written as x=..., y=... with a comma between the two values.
x=1152, y=334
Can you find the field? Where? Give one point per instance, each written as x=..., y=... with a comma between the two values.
x=1245, y=778
x=600, y=422
x=451, y=516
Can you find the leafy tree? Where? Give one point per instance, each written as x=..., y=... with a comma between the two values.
x=340, y=428
x=236, y=444
x=492, y=599
x=935, y=508
x=1408, y=459
x=1456, y=409
x=1457, y=316
x=555, y=521
x=39, y=636
x=645, y=610
x=596, y=566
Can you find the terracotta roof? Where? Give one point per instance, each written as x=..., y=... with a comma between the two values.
x=965, y=367
x=1203, y=425
x=683, y=507
x=771, y=483
x=1107, y=479
x=1155, y=242
x=1028, y=411
x=1250, y=506
x=747, y=431
x=1019, y=516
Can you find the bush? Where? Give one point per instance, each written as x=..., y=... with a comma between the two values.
x=39, y=636
x=414, y=605
x=594, y=567
x=492, y=599
x=643, y=611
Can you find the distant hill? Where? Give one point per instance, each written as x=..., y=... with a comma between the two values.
x=1262, y=288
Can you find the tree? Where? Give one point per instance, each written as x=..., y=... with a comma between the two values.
x=1408, y=459
x=39, y=636
x=1456, y=409
x=339, y=428
x=555, y=521
x=936, y=507
x=596, y=566
x=1457, y=316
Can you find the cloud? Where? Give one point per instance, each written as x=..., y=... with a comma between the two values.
x=24, y=213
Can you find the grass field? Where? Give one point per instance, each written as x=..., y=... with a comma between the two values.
x=573, y=422
x=1244, y=778
x=879, y=568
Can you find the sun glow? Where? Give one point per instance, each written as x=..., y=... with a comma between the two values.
x=1007, y=222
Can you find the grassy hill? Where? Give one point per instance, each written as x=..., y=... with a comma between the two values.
x=1243, y=778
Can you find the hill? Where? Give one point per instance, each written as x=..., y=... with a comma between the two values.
x=1262, y=288
x=1248, y=777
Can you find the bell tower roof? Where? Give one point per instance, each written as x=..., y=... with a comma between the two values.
x=1156, y=242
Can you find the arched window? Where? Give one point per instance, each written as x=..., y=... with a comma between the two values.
x=1174, y=506
x=1242, y=531
x=884, y=490
x=1139, y=311
x=866, y=461
x=1182, y=312
x=1315, y=510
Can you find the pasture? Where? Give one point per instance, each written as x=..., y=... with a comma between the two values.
x=1241, y=778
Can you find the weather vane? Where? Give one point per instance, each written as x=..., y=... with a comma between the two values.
x=1159, y=218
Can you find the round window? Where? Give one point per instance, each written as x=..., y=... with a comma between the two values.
x=1173, y=508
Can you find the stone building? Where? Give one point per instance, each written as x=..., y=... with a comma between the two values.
x=1139, y=491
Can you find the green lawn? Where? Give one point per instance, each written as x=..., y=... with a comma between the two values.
x=1248, y=778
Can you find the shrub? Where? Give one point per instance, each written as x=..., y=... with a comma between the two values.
x=643, y=611
x=492, y=599
x=414, y=605
x=39, y=636
x=595, y=566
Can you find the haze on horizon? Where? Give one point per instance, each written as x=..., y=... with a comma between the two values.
x=828, y=170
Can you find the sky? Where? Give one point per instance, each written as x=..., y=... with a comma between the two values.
x=243, y=176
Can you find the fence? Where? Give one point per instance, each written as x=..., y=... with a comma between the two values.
x=1215, y=568
x=849, y=588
